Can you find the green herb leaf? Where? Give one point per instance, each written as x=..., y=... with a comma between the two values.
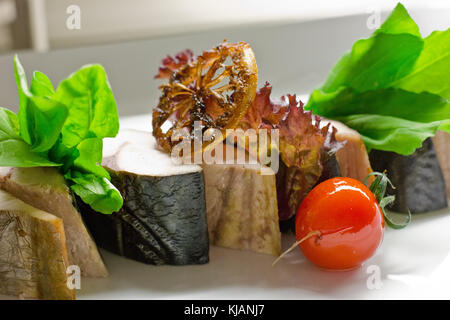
x=422, y=107
x=64, y=128
x=14, y=152
x=390, y=133
x=92, y=107
x=431, y=71
x=378, y=188
x=40, y=118
x=391, y=87
x=90, y=157
x=96, y=191
x=388, y=55
x=41, y=85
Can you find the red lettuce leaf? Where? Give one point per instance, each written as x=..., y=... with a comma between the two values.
x=170, y=64
x=303, y=145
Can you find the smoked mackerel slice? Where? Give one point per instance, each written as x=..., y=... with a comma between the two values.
x=241, y=206
x=163, y=219
x=442, y=146
x=352, y=158
x=45, y=188
x=33, y=254
x=418, y=180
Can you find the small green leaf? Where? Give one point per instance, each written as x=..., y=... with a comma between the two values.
x=41, y=85
x=378, y=188
x=96, y=191
x=90, y=157
x=91, y=103
x=14, y=152
x=40, y=118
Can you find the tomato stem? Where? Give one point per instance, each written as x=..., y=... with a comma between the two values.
x=309, y=235
x=378, y=188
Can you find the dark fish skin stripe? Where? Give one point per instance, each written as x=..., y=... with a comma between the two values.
x=418, y=178
x=163, y=220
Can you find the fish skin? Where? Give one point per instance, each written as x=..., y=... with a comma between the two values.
x=418, y=179
x=162, y=221
x=45, y=189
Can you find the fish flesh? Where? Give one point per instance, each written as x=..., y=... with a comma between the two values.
x=352, y=158
x=33, y=254
x=241, y=206
x=163, y=219
x=418, y=179
x=442, y=146
x=45, y=188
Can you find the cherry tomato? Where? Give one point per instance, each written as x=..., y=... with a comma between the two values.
x=349, y=222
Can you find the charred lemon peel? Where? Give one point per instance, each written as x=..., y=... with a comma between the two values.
x=378, y=188
x=215, y=88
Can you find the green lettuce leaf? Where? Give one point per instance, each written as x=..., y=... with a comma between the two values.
x=421, y=107
x=394, y=78
x=390, y=133
x=428, y=71
x=388, y=55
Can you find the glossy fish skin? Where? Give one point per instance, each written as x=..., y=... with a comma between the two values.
x=163, y=220
x=418, y=178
